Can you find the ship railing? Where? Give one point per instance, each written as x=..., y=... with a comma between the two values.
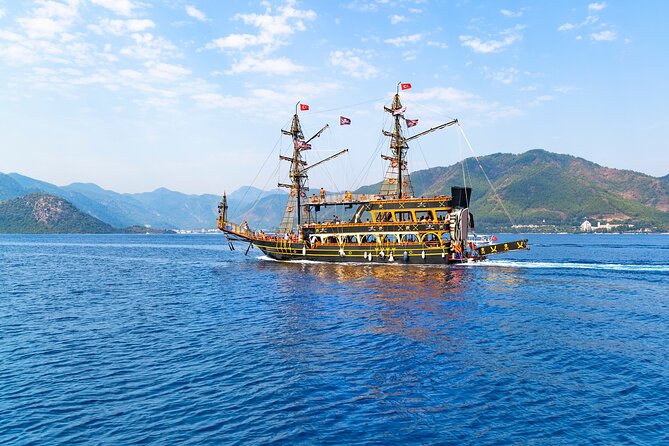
x=349, y=197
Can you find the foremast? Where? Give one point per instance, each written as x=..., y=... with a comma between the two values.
x=293, y=216
x=298, y=186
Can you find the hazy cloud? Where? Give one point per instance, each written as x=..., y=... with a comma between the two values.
x=352, y=64
x=503, y=40
x=120, y=7
x=604, y=36
x=196, y=13
x=404, y=40
x=596, y=6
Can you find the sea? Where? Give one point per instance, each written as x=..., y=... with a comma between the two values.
x=175, y=339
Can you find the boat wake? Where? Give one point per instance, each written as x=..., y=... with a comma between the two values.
x=577, y=265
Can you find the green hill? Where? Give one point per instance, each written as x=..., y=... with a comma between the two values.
x=540, y=187
x=46, y=214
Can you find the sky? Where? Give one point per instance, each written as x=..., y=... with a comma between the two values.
x=192, y=95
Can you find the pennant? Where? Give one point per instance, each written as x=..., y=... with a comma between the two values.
x=412, y=122
x=304, y=107
x=494, y=238
x=301, y=145
x=399, y=111
x=344, y=120
x=405, y=86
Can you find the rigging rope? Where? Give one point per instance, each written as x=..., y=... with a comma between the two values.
x=471, y=149
x=276, y=144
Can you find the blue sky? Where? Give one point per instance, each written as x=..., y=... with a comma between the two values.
x=192, y=95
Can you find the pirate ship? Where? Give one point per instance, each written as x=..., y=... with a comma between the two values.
x=391, y=226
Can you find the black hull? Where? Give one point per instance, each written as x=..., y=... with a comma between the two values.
x=402, y=254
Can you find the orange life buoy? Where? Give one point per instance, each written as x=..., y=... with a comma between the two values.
x=303, y=194
x=293, y=192
x=392, y=180
x=291, y=209
x=393, y=163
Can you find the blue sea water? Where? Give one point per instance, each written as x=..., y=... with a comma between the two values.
x=125, y=339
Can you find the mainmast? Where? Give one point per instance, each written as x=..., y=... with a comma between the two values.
x=397, y=182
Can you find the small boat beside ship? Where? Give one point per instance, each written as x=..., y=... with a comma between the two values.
x=391, y=226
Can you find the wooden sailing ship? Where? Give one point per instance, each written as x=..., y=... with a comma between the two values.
x=392, y=226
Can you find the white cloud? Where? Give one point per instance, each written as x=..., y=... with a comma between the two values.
x=404, y=40
x=437, y=44
x=118, y=27
x=272, y=28
x=236, y=41
x=196, y=13
x=251, y=64
x=2, y=12
x=167, y=72
x=395, y=19
x=596, y=6
x=149, y=47
x=352, y=64
x=49, y=19
x=566, y=27
x=511, y=14
x=604, y=36
x=448, y=100
x=120, y=7
x=506, y=76
x=507, y=37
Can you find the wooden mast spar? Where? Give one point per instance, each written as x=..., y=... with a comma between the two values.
x=292, y=217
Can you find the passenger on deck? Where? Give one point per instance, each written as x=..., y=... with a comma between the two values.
x=322, y=193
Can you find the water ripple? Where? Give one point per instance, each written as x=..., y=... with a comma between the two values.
x=161, y=340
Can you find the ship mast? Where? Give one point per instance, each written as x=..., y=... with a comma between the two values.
x=299, y=187
x=397, y=182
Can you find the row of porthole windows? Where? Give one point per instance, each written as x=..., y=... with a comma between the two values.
x=430, y=237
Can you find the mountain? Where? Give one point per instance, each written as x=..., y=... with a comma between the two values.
x=41, y=213
x=161, y=208
x=538, y=187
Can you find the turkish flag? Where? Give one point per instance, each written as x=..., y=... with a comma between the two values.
x=304, y=107
x=343, y=120
x=405, y=86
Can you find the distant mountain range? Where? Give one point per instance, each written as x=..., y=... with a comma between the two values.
x=535, y=188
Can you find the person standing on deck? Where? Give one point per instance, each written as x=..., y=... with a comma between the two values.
x=322, y=192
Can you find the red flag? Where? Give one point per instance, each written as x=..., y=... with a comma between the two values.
x=344, y=120
x=304, y=107
x=301, y=145
x=399, y=111
x=405, y=86
x=494, y=238
x=412, y=122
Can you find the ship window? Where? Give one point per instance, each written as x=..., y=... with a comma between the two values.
x=370, y=238
x=409, y=238
x=431, y=238
x=383, y=216
x=424, y=215
x=403, y=216
x=442, y=215
x=390, y=238
x=331, y=240
x=351, y=239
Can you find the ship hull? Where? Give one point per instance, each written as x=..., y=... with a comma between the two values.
x=403, y=254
